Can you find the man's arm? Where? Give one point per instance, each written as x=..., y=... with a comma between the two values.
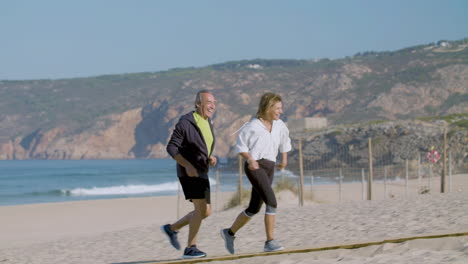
x=173, y=146
x=175, y=142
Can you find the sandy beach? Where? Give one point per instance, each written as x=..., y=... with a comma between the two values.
x=127, y=230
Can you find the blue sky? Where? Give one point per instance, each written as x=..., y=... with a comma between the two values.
x=64, y=39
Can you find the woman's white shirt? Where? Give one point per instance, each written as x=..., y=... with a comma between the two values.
x=255, y=139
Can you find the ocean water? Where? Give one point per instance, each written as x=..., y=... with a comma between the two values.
x=45, y=181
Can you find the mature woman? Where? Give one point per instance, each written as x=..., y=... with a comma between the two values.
x=258, y=143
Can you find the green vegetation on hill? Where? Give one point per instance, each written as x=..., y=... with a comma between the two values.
x=451, y=119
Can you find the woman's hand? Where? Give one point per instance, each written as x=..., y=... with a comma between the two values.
x=253, y=164
x=282, y=165
x=284, y=161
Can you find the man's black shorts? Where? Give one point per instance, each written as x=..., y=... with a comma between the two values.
x=196, y=188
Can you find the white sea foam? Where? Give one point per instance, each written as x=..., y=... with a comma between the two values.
x=123, y=189
x=126, y=189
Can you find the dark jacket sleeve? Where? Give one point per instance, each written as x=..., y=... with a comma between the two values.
x=176, y=140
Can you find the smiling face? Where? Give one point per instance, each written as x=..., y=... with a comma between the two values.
x=275, y=111
x=207, y=105
x=270, y=107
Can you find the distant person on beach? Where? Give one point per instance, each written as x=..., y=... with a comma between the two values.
x=191, y=145
x=258, y=143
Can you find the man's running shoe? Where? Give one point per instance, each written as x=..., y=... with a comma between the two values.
x=193, y=252
x=228, y=240
x=272, y=245
x=172, y=235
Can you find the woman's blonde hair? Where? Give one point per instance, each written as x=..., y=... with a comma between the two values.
x=266, y=102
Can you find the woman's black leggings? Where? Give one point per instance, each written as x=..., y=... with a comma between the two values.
x=262, y=192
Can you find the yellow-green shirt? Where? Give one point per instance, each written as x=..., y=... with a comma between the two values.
x=205, y=129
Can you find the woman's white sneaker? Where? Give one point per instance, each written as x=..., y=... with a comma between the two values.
x=272, y=245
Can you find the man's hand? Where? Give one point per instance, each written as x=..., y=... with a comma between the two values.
x=213, y=161
x=191, y=171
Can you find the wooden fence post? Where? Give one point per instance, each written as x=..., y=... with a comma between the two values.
x=217, y=190
x=301, y=175
x=371, y=173
x=406, y=179
x=178, y=200
x=311, y=183
x=239, y=186
x=363, y=179
x=419, y=170
x=450, y=171
x=340, y=184
x=430, y=177
x=444, y=171
x=385, y=181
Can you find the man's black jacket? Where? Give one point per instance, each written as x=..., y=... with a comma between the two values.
x=187, y=140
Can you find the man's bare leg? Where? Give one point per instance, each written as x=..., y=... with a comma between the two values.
x=201, y=211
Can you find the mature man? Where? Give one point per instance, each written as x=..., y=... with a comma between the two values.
x=191, y=145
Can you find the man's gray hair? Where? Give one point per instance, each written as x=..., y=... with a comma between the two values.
x=198, y=97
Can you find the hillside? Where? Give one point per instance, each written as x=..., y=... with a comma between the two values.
x=131, y=115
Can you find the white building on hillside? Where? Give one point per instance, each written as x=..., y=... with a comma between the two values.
x=307, y=123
